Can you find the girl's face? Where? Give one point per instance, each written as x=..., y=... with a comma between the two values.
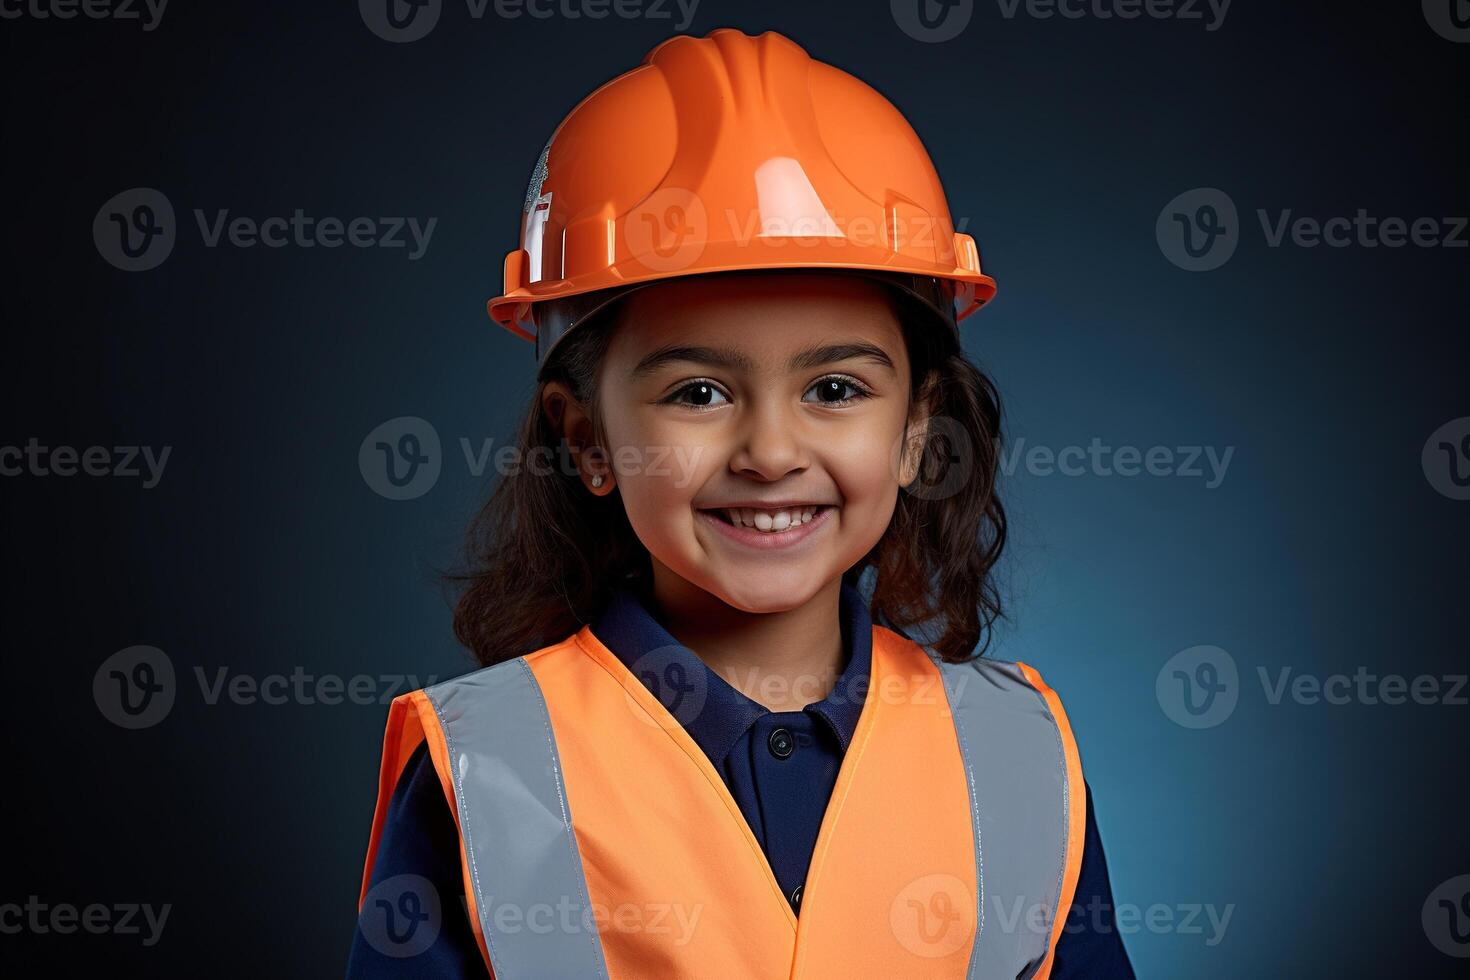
x=758, y=430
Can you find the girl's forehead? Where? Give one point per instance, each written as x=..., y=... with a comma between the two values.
x=758, y=311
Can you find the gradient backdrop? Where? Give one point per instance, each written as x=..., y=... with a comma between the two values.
x=1330, y=541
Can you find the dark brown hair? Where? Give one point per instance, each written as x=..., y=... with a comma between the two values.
x=544, y=555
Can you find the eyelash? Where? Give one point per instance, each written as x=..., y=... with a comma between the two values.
x=860, y=391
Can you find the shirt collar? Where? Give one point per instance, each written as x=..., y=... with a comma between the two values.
x=713, y=712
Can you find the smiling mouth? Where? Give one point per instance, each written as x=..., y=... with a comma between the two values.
x=768, y=521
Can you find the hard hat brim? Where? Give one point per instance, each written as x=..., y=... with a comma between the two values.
x=546, y=322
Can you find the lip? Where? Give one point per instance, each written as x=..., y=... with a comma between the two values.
x=769, y=540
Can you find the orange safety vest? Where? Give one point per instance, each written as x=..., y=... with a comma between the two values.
x=597, y=839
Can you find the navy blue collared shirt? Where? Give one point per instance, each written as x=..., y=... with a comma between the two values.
x=780, y=767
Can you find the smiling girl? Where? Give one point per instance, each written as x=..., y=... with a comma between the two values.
x=732, y=719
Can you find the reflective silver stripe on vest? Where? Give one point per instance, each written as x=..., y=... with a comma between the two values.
x=525, y=869
x=1017, y=771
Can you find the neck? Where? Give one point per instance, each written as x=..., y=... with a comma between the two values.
x=782, y=660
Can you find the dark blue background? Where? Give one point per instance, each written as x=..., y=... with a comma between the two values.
x=263, y=548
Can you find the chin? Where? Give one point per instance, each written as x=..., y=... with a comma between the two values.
x=769, y=594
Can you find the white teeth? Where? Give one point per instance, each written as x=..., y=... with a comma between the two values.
x=772, y=521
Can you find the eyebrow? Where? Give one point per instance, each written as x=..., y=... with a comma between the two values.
x=854, y=350
x=728, y=358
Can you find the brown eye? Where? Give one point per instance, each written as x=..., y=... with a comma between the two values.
x=836, y=390
x=698, y=394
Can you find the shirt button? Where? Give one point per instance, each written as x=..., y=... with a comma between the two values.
x=781, y=743
x=796, y=896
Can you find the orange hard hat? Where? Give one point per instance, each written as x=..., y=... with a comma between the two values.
x=722, y=154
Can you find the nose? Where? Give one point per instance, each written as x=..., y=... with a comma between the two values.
x=771, y=443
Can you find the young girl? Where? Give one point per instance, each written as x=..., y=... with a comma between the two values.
x=704, y=743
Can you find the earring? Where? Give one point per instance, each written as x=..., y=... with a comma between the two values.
x=597, y=480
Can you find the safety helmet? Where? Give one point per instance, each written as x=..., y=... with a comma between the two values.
x=725, y=154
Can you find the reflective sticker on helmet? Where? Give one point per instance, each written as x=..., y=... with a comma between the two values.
x=538, y=177
x=531, y=241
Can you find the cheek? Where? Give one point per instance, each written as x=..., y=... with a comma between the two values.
x=659, y=470
x=863, y=458
x=653, y=501
x=868, y=484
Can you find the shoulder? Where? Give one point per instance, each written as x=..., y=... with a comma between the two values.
x=1007, y=675
x=988, y=691
x=511, y=677
x=1003, y=702
x=993, y=678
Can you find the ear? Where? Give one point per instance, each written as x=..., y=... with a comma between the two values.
x=916, y=433
x=571, y=421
